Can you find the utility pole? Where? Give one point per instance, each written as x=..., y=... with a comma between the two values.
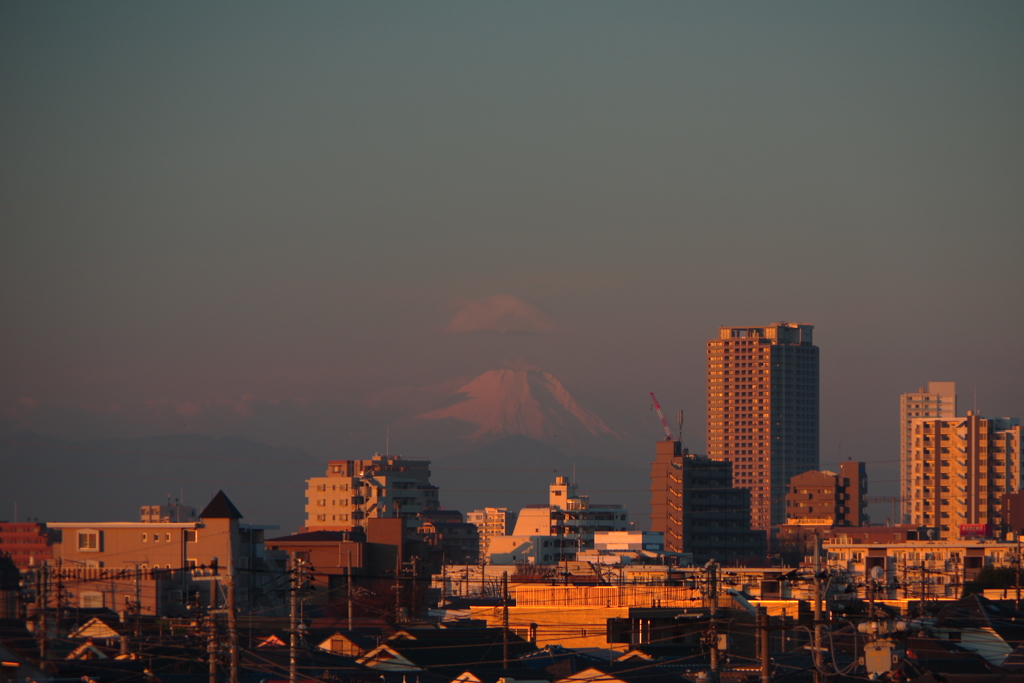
x=444, y=581
x=818, y=672
x=60, y=598
x=398, y=587
x=766, y=645
x=1016, y=571
x=211, y=645
x=348, y=591
x=713, y=609
x=138, y=601
x=232, y=624
x=293, y=625
x=504, y=620
x=42, y=603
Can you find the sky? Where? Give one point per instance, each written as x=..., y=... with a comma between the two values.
x=209, y=210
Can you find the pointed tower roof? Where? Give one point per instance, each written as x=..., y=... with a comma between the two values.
x=220, y=508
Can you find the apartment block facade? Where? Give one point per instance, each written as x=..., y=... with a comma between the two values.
x=763, y=398
x=28, y=543
x=938, y=399
x=826, y=499
x=961, y=467
x=697, y=508
x=570, y=515
x=491, y=522
x=385, y=486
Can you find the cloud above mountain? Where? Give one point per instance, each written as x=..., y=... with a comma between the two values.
x=501, y=314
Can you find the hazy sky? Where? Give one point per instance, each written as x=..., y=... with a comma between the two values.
x=241, y=203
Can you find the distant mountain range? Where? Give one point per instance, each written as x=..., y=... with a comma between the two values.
x=109, y=479
x=498, y=439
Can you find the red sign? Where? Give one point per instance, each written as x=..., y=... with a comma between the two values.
x=975, y=530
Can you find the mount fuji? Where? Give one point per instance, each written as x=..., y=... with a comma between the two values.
x=500, y=438
x=526, y=402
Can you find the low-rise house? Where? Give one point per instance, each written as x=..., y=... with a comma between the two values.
x=161, y=568
x=449, y=651
x=979, y=625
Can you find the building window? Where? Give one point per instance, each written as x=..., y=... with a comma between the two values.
x=143, y=537
x=89, y=540
x=167, y=537
x=92, y=600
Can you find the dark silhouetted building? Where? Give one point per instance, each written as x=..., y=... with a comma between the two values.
x=694, y=503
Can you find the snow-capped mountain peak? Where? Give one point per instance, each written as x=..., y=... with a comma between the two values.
x=523, y=401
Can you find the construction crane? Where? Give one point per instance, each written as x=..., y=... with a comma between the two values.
x=886, y=499
x=664, y=422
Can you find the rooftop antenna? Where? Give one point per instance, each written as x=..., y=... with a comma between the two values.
x=574, y=473
x=975, y=399
x=679, y=418
x=387, y=441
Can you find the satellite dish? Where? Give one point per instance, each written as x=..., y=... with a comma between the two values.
x=877, y=573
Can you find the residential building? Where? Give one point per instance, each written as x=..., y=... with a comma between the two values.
x=763, y=410
x=571, y=516
x=28, y=543
x=611, y=541
x=961, y=468
x=172, y=512
x=532, y=549
x=1012, y=512
x=697, y=508
x=938, y=399
x=162, y=567
x=382, y=487
x=826, y=499
x=556, y=532
x=491, y=522
x=914, y=569
x=626, y=548
x=368, y=559
x=450, y=541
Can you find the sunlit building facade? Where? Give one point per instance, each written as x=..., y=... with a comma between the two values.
x=961, y=468
x=384, y=486
x=763, y=410
x=938, y=399
x=491, y=522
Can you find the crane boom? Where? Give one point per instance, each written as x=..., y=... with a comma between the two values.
x=664, y=423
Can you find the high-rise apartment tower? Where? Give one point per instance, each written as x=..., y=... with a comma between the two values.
x=938, y=400
x=961, y=468
x=763, y=410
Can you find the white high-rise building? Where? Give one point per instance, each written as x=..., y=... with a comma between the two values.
x=937, y=401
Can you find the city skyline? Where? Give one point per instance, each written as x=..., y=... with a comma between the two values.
x=290, y=224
